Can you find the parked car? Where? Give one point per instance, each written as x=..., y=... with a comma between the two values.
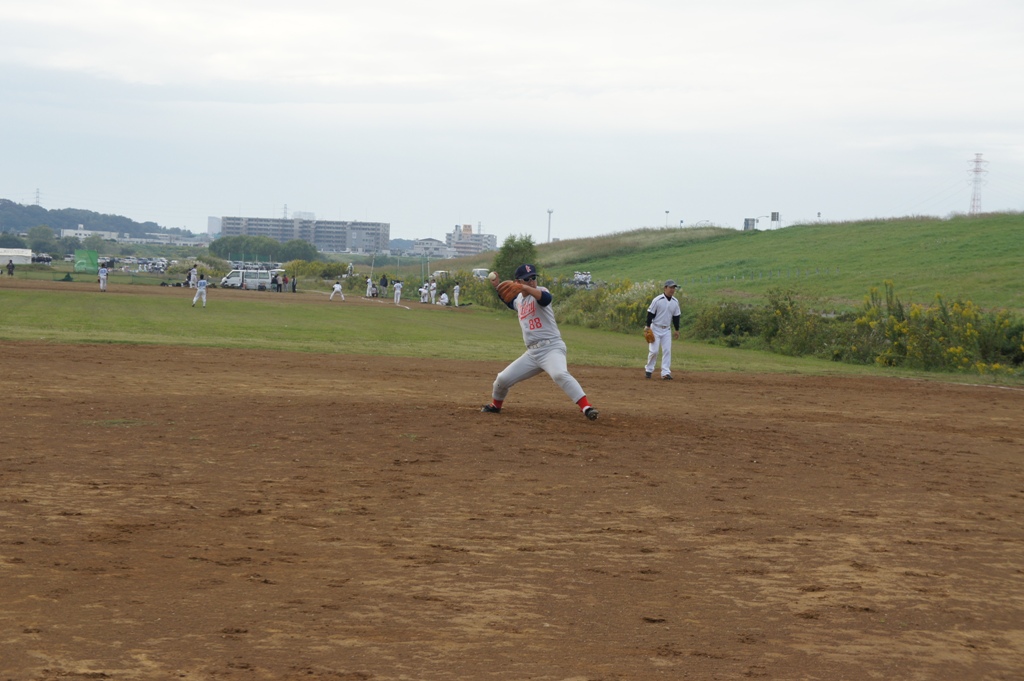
x=249, y=279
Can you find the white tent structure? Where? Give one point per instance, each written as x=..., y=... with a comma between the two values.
x=20, y=256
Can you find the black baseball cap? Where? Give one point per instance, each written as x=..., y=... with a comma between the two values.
x=525, y=272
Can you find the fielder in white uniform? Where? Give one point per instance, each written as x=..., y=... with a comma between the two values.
x=397, y=286
x=369, y=287
x=545, y=349
x=200, y=290
x=433, y=291
x=662, y=315
x=103, y=276
x=337, y=289
x=193, y=275
x=455, y=294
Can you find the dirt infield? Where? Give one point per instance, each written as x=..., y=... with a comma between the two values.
x=219, y=514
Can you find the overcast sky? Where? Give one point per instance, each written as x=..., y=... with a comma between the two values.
x=614, y=114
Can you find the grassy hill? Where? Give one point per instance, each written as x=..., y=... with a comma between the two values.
x=977, y=258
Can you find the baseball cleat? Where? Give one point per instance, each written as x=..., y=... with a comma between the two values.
x=591, y=413
x=647, y=374
x=667, y=377
x=491, y=409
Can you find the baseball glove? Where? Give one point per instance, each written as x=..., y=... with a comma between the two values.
x=648, y=334
x=508, y=290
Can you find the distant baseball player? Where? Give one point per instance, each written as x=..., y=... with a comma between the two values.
x=545, y=349
x=200, y=290
x=433, y=291
x=455, y=294
x=663, y=312
x=397, y=286
x=193, y=277
x=443, y=300
x=103, y=277
x=369, y=287
x=337, y=290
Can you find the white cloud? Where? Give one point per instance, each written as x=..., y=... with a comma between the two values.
x=520, y=102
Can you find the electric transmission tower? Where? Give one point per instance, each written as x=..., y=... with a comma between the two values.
x=979, y=179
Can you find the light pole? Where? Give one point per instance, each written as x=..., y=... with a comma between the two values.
x=666, y=219
x=550, y=211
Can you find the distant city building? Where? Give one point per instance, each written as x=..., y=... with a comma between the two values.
x=212, y=225
x=464, y=242
x=330, y=236
x=153, y=238
x=81, y=233
x=432, y=248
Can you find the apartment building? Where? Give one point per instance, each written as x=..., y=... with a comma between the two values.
x=464, y=242
x=330, y=236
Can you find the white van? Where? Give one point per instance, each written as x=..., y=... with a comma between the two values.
x=250, y=279
x=481, y=273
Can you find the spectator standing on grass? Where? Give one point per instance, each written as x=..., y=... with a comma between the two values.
x=10, y=268
x=383, y=290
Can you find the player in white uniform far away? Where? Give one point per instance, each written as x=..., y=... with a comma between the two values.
x=545, y=349
x=662, y=315
x=397, y=286
x=200, y=291
x=337, y=289
x=455, y=294
x=103, y=277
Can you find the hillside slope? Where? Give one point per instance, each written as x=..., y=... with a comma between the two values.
x=978, y=258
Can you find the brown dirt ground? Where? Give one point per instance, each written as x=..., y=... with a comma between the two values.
x=204, y=514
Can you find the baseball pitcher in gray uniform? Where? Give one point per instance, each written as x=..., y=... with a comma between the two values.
x=545, y=349
x=662, y=315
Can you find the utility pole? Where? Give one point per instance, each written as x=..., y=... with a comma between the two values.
x=979, y=179
x=550, y=211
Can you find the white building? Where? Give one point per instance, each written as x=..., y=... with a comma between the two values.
x=330, y=236
x=432, y=248
x=464, y=242
x=82, y=233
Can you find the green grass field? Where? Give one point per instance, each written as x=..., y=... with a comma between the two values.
x=305, y=322
x=977, y=258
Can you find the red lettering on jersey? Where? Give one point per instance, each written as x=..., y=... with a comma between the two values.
x=527, y=308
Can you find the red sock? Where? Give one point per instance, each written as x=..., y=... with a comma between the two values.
x=583, y=403
x=497, y=403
